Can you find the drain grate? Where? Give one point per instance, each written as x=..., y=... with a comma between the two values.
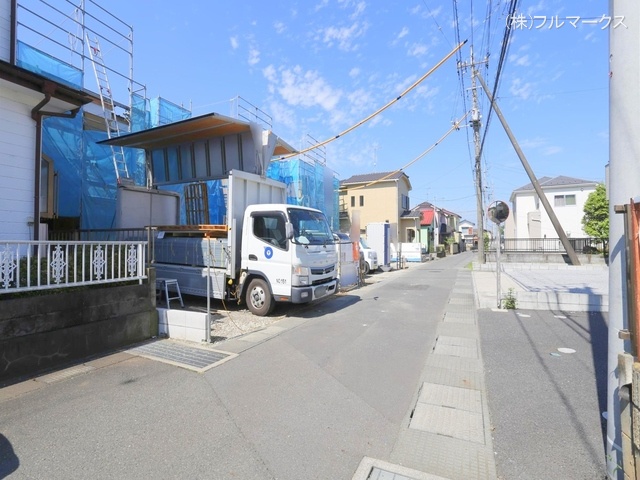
x=185, y=356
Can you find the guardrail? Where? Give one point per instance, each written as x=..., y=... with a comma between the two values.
x=41, y=265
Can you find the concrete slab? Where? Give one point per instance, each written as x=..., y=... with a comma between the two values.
x=451, y=397
x=374, y=469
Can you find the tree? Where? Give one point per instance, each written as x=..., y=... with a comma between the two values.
x=596, y=214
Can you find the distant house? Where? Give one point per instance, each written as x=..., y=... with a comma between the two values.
x=378, y=197
x=435, y=225
x=567, y=197
x=449, y=228
x=467, y=232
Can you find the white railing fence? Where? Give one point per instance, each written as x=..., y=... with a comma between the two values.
x=40, y=265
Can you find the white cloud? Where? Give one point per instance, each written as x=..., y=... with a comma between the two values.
x=282, y=115
x=279, y=27
x=520, y=89
x=418, y=50
x=321, y=5
x=354, y=72
x=359, y=10
x=360, y=100
x=344, y=37
x=552, y=150
x=520, y=61
x=300, y=88
x=536, y=142
x=254, y=56
x=234, y=42
x=403, y=33
x=270, y=73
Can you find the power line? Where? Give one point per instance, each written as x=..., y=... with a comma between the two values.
x=381, y=109
x=503, y=54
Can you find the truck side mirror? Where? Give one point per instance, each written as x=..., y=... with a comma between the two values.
x=289, y=230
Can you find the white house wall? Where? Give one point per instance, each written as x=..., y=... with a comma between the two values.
x=17, y=147
x=526, y=202
x=569, y=216
x=5, y=30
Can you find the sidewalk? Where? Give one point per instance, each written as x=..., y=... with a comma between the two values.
x=544, y=286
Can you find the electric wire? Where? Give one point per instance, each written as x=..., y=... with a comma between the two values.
x=381, y=109
x=503, y=53
x=455, y=126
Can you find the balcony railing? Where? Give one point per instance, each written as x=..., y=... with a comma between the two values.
x=41, y=265
x=552, y=245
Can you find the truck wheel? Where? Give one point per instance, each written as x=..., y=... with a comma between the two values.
x=366, y=268
x=258, y=298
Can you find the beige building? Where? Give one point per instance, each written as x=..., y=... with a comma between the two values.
x=376, y=197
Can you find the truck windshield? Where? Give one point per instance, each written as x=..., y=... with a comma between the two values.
x=309, y=227
x=363, y=243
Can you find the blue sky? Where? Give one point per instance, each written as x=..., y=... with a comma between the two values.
x=319, y=67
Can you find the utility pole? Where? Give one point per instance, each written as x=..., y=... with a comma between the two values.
x=475, y=124
x=534, y=181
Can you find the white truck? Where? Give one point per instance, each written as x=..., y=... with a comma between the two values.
x=267, y=252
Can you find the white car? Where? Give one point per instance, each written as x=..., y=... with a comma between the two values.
x=370, y=257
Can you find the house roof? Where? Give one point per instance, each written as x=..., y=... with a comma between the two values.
x=560, y=181
x=190, y=130
x=427, y=217
x=375, y=177
x=425, y=210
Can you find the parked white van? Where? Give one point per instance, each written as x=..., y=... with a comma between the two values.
x=370, y=257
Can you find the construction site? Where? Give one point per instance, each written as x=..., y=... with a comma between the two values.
x=82, y=45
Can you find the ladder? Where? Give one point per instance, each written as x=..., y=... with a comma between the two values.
x=108, y=110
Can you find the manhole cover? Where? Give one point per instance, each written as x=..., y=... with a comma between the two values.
x=185, y=356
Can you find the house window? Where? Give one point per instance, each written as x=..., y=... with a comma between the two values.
x=46, y=187
x=353, y=201
x=362, y=200
x=564, y=200
x=404, y=202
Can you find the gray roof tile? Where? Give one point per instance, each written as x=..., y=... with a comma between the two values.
x=372, y=177
x=559, y=181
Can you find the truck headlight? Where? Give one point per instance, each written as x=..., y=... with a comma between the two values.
x=300, y=275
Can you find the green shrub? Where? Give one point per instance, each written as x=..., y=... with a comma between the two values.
x=509, y=300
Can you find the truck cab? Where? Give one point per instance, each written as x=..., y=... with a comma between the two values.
x=288, y=255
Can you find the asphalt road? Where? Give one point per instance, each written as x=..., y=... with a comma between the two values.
x=309, y=403
x=546, y=378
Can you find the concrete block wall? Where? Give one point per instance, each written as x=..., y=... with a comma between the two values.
x=38, y=333
x=182, y=325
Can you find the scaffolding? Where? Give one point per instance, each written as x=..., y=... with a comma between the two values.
x=58, y=43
